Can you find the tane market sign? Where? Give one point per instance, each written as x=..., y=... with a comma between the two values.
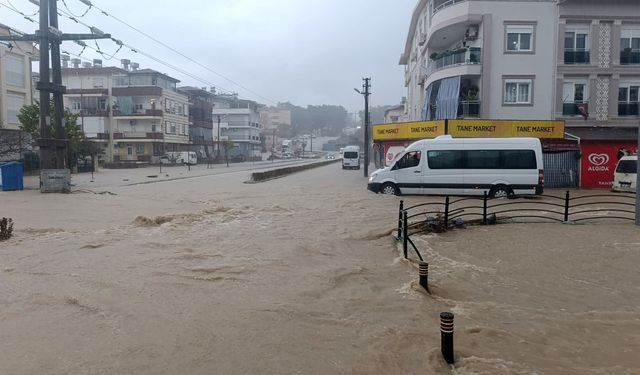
x=469, y=129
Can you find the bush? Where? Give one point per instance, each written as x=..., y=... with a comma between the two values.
x=6, y=229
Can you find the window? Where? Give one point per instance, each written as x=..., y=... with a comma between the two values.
x=139, y=148
x=98, y=82
x=167, y=105
x=628, y=94
x=138, y=107
x=517, y=91
x=173, y=128
x=482, y=159
x=184, y=130
x=628, y=99
x=445, y=159
x=519, y=38
x=14, y=103
x=630, y=39
x=350, y=155
x=14, y=70
x=166, y=127
x=518, y=159
x=76, y=104
x=627, y=166
x=102, y=104
x=409, y=160
x=576, y=45
x=574, y=91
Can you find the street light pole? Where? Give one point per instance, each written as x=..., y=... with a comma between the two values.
x=365, y=92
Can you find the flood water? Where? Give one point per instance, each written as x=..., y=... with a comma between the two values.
x=299, y=275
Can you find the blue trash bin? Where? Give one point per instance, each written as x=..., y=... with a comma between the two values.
x=11, y=176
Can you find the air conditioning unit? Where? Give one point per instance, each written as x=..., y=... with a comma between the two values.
x=132, y=122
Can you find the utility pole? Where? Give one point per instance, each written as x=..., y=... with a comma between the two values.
x=53, y=150
x=366, y=92
x=638, y=180
x=273, y=146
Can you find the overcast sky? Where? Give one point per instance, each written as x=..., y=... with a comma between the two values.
x=302, y=51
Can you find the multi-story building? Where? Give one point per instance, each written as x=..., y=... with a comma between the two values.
x=276, y=123
x=201, y=104
x=138, y=114
x=474, y=58
x=240, y=125
x=15, y=78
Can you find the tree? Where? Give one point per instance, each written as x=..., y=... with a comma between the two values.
x=29, y=117
x=13, y=143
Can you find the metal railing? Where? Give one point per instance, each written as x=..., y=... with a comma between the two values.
x=630, y=57
x=469, y=108
x=577, y=56
x=471, y=56
x=628, y=108
x=571, y=109
x=455, y=211
x=445, y=4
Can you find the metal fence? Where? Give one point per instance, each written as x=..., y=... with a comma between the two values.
x=450, y=212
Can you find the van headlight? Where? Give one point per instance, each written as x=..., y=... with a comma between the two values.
x=372, y=177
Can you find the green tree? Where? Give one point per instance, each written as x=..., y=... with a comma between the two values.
x=29, y=117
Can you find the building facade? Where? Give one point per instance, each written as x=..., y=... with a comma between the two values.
x=240, y=125
x=15, y=78
x=201, y=104
x=137, y=114
x=276, y=123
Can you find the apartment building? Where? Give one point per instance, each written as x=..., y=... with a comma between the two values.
x=138, y=113
x=276, y=124
x=480, y=59
x=240, y=124
x=15, y=78
x=201, y=130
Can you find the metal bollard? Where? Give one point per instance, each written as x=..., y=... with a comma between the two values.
x=423, y=272
x=446, y=336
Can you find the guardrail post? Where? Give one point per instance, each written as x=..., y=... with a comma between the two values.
x=423, y=272
x=484, y=208
x=446, y=336
x=566, y=207
x=400, y=219
x=446, y=212
x=405, y=234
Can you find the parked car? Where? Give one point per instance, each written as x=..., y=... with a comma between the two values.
x=624, y=177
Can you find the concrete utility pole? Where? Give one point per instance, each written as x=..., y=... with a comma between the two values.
x=53, y=150
x=365, y=92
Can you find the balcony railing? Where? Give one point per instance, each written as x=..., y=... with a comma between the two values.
x=571, y=109
x=136, y=135
x=577, y=56
x=138, y=112
x=469, y=108
x=628, y=108
x=472, y=56
x=629, y=57
x=440, y=5
x=93, y=112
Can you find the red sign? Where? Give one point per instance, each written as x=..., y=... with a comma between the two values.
x=599, y=161
x=391, y=150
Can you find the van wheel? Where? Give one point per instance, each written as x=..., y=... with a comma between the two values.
x=501, y=191
x=389, y=189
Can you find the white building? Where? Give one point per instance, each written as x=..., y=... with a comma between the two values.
x=240, y=124
x=489, y=59
x=138, y=114
x=15, y=78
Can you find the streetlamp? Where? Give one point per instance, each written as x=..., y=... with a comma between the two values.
x=365, y=92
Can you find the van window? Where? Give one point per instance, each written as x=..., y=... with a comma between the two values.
x=450, y=159
x=350, y=155
x=409, y=160
x=627, y=166
x=482, y=159
x=519, y=159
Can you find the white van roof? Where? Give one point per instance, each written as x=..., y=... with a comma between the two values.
x=449, y=140
x=352, y=148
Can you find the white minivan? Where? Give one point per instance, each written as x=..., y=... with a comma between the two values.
x=351, y=157
x=501, y=167
x=625, y=175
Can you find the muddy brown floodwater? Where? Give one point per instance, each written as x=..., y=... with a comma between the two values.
x=300, y=276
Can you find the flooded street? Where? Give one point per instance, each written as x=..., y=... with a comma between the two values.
x=299, y=275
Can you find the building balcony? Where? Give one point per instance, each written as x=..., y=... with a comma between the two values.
x=576, y=56
x=628, y=109
x=469, y=109
x=629, y=57
x=470, y=56
x=93, y=112
x=439, y=5
x=572, y=108
x=134, y=135
x=138, y=113
x=453, y=20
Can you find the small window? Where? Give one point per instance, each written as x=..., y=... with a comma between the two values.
x=98, y=82
x=519, y=159
x=517, y=91
x=450, y=159
x=409, y=160
x=173, y=128
x=519, y=38
x=139, y=148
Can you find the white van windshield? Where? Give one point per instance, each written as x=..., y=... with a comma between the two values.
x=350, y=155
x=627, y=166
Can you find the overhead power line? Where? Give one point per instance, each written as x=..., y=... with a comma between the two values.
x=179, y=53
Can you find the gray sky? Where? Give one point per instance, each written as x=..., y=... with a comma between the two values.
x=305, y=52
